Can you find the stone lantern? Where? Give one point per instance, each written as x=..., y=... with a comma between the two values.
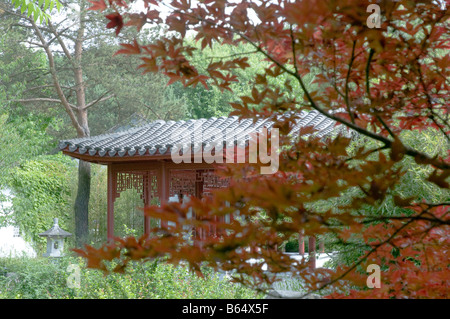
x=55, y=240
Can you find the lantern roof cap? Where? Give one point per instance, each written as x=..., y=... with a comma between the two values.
x=55, y=231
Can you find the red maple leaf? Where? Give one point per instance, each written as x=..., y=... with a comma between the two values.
x=133, y=48
x=116, y=22
x=98, y=5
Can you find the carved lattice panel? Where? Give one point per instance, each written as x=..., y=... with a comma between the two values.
x=182, y=182
x=211, y=181
x=144, y=182
x=195, y=182
x=152, y=186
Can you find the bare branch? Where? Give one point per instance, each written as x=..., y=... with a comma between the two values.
x=152, y=110
x=68, y=107
x=32, y=43
x=61, y=42
x=48, y=86
x=100, y=99
x=41, y=99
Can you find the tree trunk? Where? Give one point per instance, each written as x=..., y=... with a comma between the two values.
x=82, y=203
x=81, y=208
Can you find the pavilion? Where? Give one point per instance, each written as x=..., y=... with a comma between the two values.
x=140, y=158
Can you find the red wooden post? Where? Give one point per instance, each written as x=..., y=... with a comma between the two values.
x=147, y=185
x=301, y=244
x=146, y=224
x=312, y=252
x=110, y=199
x=321, y=246
x=199, y=194
x=165, y=187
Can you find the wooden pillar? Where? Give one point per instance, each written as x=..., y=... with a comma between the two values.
x=110, y=199
x=199, y=232
x=321, y=246
x=165, y=187
x=147, y=185
x=301, y=244
x=146, y=224
x=312, y=252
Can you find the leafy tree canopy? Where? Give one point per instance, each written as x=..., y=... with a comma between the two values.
x=38, y=9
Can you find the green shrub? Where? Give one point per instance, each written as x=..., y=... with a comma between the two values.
x=42, y=278
x=292, y=246
x=40, y=188
x=36, y=278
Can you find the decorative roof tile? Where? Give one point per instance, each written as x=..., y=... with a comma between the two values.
x=159, y=137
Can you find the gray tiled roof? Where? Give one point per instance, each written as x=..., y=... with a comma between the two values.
x=159, y=137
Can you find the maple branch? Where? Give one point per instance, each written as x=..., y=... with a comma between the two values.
x=232, y=55
x=346, y=82
x=433, y=119
x=387, y=128
x=300, y=80
x=374, y=249
x=387, y=142
x=387, y=218
x=429, y=101
x=444, y=121
x=310, y=99
x=333, y=83
x=367, y=153
x=294, y=55
x=438, y=204
x=369, y=60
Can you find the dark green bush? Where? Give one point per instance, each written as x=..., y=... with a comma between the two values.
x=292, y=246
